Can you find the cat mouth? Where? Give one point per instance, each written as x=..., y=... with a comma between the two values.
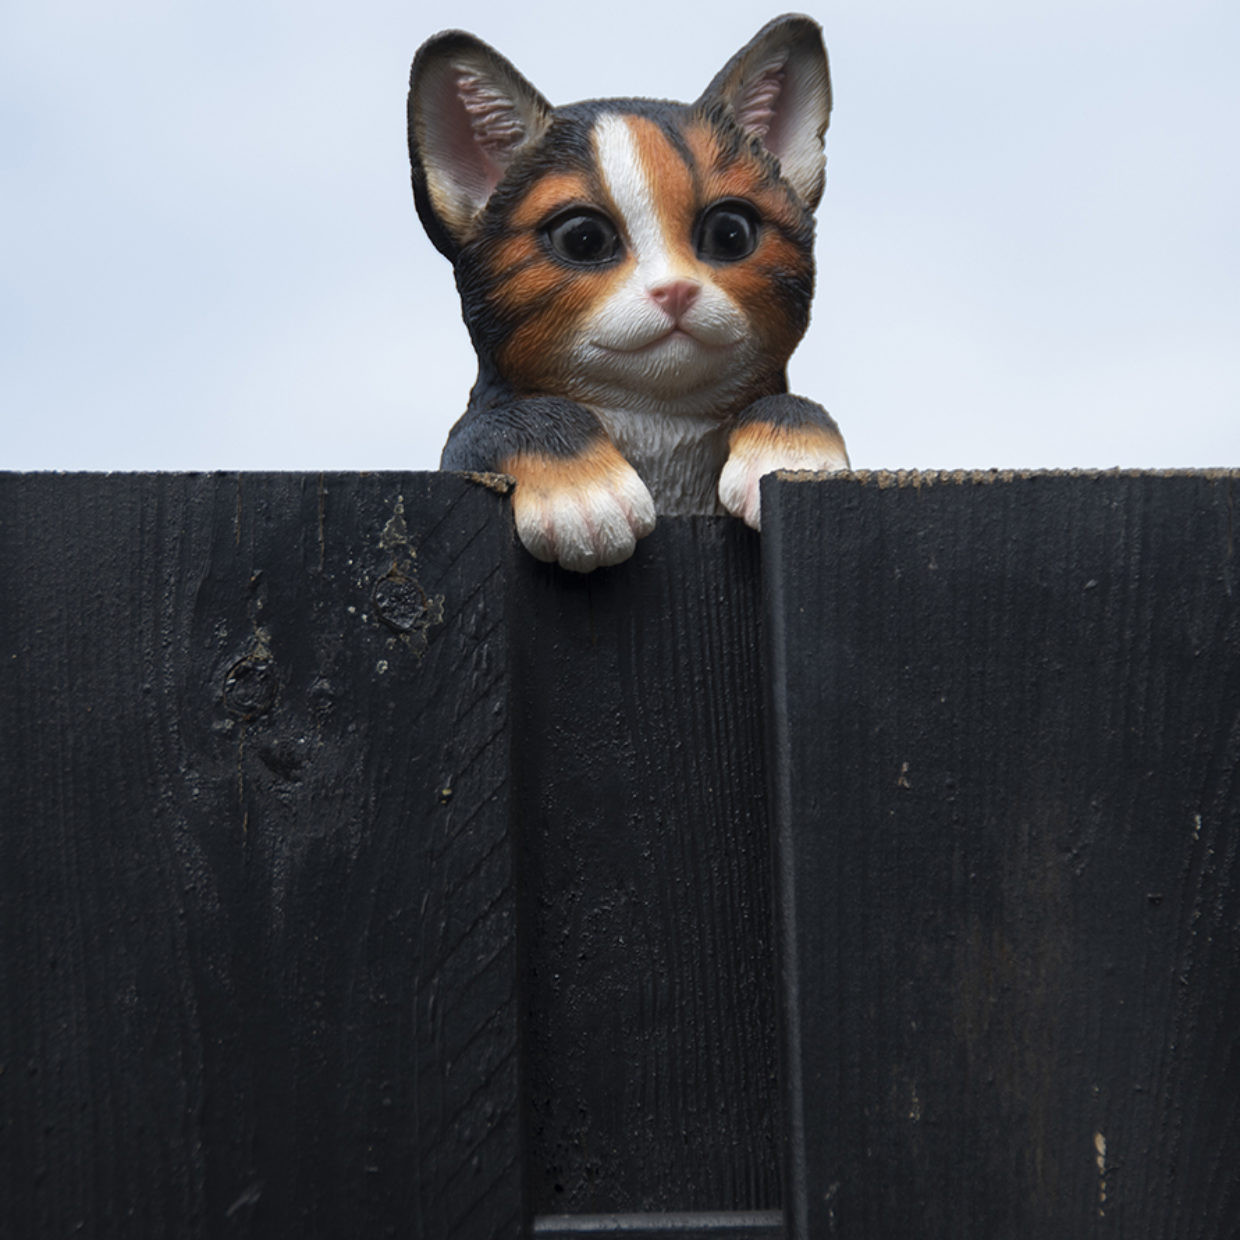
x=674, y=336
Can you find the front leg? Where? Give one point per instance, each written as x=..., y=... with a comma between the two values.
x=577, y=502
x=776, y=432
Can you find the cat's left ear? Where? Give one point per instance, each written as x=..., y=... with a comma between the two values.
x=470, y=113
x=778, y=89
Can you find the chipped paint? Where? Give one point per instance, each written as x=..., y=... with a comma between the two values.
x=397, y=595
x=395, y=534
x=501, y=484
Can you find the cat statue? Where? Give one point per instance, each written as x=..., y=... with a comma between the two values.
x=634, y=275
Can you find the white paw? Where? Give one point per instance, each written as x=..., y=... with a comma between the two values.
x=584, y=523
x=760, y=450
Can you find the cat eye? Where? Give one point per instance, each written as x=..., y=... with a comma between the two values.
x=727, y=232
x=584, y=238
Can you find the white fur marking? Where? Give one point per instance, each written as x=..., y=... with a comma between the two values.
x=633, y=194
x=588, y=527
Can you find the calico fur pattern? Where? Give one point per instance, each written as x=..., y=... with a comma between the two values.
x=648, y=376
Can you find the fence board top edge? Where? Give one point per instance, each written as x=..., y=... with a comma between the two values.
x=502, y=483
x=885, y=478
x=494, y=481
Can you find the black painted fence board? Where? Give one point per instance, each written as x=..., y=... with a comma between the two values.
x=1006, y=734
x=641, y=804
x=684, y=1225
x=361, y=876
x=256, y=888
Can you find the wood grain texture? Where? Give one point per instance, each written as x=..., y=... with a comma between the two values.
x=256, y=892
x=682, y=1225
x=648, y=984
x=1007, y=749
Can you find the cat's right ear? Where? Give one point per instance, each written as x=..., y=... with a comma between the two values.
x=470, y=112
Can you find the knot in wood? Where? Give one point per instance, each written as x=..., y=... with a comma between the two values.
x=250, y=687
x=401, y=603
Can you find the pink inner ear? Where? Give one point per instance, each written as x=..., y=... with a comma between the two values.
x=756, y=107
x=478, y=130
x=492, y=117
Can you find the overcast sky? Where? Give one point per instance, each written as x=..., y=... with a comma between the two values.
x=1029, y=250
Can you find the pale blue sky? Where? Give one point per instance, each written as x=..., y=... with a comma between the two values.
x=1028, y=251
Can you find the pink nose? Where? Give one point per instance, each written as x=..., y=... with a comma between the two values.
x=676, y=296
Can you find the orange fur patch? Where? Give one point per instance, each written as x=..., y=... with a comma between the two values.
x=513, y=252
x=544, y=298
x=675, y=195
x=539, y=475
x=547, y=195
x=762, y=437
x=749, y=284
x=704, y=146
x=527, y=287
x=550, y=302
x=737, y=176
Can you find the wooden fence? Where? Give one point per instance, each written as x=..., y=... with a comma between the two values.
x=360, y=876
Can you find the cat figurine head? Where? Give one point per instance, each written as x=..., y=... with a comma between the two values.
x=635, y=275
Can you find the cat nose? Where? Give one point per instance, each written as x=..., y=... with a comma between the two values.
x=676, y=296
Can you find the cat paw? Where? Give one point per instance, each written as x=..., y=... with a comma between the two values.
x=758, y=449
x=582, y=512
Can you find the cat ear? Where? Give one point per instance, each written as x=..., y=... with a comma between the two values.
x=778, y=89
x=470, y=112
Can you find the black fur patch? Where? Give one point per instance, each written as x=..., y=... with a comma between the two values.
x=489, y=435
x=786, y=411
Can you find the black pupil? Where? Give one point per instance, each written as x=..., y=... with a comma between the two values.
x=584, y=239
x=729, y=234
